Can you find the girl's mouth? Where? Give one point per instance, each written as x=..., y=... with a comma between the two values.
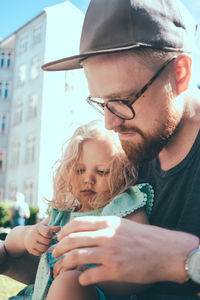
x=88, y=192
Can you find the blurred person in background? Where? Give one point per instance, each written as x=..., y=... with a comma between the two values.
x=19, y=211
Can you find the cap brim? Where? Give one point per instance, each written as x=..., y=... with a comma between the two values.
x=67, y=63
x=74, y=62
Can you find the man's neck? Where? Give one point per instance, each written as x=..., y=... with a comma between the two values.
x=181, y=143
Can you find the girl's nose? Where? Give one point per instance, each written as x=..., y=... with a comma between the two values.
x=89, y=179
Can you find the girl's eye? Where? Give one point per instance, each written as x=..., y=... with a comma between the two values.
x=80, y=171
x=103, y=172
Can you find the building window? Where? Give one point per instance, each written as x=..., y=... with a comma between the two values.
x=8, y=60
x=4, y=90
x=5, y=59
x=28, y=190
x=32, y=106
x=37, y=33
x=15, y=153
x=30, y=149
x=23, y=44
x=35, y=67
x=21, y=75
x=3, y=123
x=2, y=59
x=18, y=112
x=12, y=191
x=1, y=194
x=2, y=160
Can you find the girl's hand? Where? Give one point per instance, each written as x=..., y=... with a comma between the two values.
x=38, y=237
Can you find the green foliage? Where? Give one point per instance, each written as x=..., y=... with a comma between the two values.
x=4, y=214
x=33, y=215
x=4, y=219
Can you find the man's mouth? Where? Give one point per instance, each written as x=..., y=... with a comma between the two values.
x=126, y=134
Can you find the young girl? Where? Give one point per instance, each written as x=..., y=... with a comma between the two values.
x=94, y=178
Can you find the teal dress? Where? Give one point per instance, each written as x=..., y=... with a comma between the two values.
x=132, y=199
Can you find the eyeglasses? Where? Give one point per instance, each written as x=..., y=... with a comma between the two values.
x=123, y=108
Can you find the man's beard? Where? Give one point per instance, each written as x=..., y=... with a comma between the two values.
x=149, y=145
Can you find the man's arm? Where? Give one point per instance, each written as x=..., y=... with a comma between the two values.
x=21, y=268
x=124, y=251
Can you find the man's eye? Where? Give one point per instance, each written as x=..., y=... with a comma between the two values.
x=102, y=172
x=80, y=171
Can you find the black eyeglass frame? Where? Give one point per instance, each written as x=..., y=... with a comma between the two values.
x=127, y=102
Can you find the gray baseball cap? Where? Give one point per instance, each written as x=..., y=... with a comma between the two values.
x=119, y=25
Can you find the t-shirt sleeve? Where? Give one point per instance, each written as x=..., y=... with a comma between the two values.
x=135, y=197
x=59, y=218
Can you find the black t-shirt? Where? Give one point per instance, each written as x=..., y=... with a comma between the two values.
x=177, y=203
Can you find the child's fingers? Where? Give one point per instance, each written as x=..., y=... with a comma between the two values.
x=34, y=252
x=41, y=248
x=45, y=230
x=43, y=240
x=54, y=228
x=38, y=249
x=46, y=233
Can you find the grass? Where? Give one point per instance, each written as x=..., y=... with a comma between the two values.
x=9, y=287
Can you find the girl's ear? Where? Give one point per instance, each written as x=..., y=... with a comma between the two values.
x=183, y=65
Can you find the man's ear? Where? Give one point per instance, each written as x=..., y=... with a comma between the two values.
x=183, y=65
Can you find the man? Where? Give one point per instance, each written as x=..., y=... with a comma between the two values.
x=135, y=57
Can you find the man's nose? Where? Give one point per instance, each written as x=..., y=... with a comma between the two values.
x=111, y=120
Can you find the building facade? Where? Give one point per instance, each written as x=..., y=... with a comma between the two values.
x=7, y=48
x=38, y=110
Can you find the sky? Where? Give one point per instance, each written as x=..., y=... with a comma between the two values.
x=16, y=13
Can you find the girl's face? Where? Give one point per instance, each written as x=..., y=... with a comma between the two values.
x=92, y=172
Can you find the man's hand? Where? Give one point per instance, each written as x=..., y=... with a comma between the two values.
x=124, y=251
x=38, y=237
x=59, y=267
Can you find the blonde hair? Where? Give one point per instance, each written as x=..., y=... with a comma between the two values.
x=122, y=173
